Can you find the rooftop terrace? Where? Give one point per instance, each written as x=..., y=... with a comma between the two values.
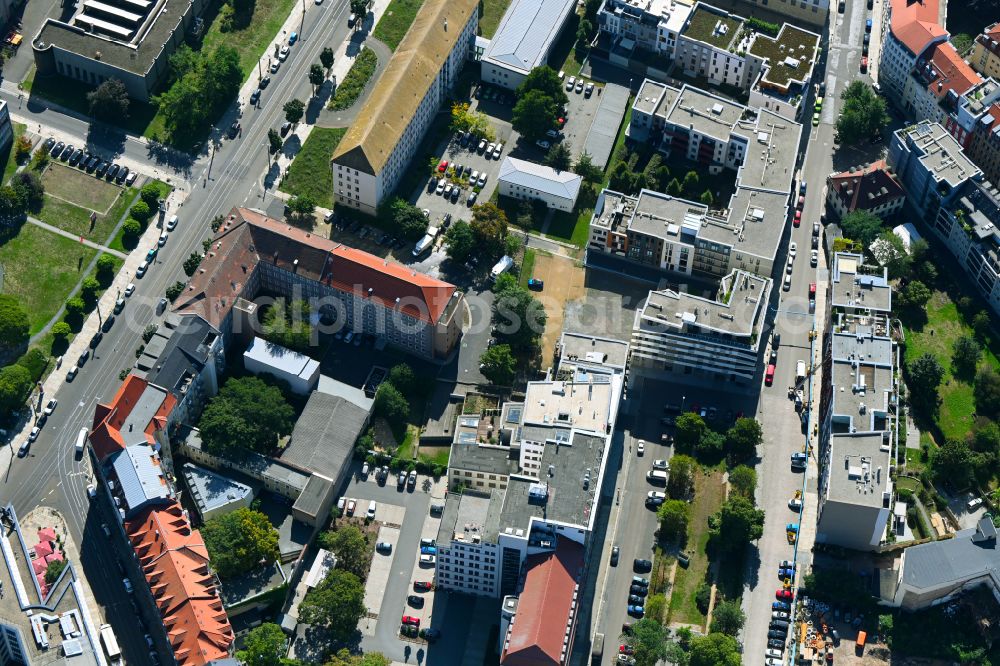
x=791, y=55
x=713, y=26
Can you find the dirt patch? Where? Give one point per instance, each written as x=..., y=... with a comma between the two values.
x=563, y=280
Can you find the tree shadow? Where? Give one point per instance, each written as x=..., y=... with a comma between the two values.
x=105, y=139
x=319, y=101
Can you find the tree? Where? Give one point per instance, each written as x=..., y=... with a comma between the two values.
x=150, y=194
x=738, y=523
x=690, y=182
x=710, y=447
x=862, y=115
x=743, y=438
x=715, y=649
x=61, y=331
x=987, y=439
x=924, y=377
x=621, y=178
x=656, y=173
x=534, y=114
x=274, y=140
x=191, y=263
x=489, y=224
x=862, y=226
x=519, y=318
x=586, y=169
x=345, y=658
x=15, y=385
x=75, y=307
x=459, y=241
x=965, y=355
x=29, y=188
x=690, y=429
x=88, y=289
x=337, y=603
x=287, y=323
x=13, y=323
x=54, y=570
x=246, y=414
x=673, y=517
x=558, y=157
x=914, y=295
x=727, y=618
x=360, y=9
x=105, y=265
x=240, y=541
x=649, y=639
x=954, y=462
x=674, y=188
x=391, y=405
x=499, y=365
x=707, y=198
x=680, y=481
x=326, y=57
x=350, y=546
x=22, y=148
x=174, y=290
x=265, y=645
x=303, y=206
x=986, y=391
x=583, y=30
x=109, y=101
x=41, y=158
x=294, y=110
x=465, y=120
x=407, y=218
x=140, y=211
x=743, y=479
x=316, y=76
x=546, y=81
x=132, y=228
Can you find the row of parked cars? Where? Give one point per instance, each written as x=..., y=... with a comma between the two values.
x=781, y=615
x=78, y=157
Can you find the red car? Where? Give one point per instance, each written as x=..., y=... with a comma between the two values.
x=422, y=586
x=625, y=649
x=782, y=595
x=812, y=291
x=443, y=166
x=798, y=218
x=409, y=619
x=864, y=64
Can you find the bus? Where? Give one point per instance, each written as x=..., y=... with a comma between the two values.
x=110, y=644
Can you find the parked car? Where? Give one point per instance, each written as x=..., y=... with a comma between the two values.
x=636, y=611
x=423, y=586
x=428, y=550
x=536, y=284
x=51, y=406
x=384, y=547
x=408, y=619
x=415, y=600
x=784, y=595
x=570, y=83
x=614, y=555
x=283, y=53
x=427, y=560
x=642, y=566
x=639, y=590
x=351, y=506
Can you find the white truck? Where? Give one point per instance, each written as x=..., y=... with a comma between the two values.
x=81, y=441
x=501, y=267
x=800, y=371
x=110, y=644
x=426, y=242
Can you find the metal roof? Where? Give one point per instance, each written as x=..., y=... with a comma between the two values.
x=140, y=476
x=526, y=33
x=562, y=184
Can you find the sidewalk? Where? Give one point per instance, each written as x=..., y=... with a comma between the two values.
x=91, y=244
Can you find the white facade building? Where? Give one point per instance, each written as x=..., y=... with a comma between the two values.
x=523, y=40
x=527, y=181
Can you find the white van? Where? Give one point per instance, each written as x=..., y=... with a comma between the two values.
x=656, y=476
x=81, y=441
x=800, y=370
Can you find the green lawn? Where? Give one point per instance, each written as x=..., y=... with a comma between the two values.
x=527, y=266
x=128, y=198
x=309, y=173
x=396, y=21
x=944, y=325
x=73, y=95
x=435, y=455
x=40, y=269
x=908, y=483
x=493, y=11
x=564, y=50
x=914, y=461
x=254, y=40
x=353, y=85
x=79, y=187
x=10, y=164
x=708, y=498
x=76, y=219
x=573, y=228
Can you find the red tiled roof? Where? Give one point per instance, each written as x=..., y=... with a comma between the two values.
x=953, y=72
x=249, y=238
x=915, y=23
x=862, y=190
x=174, y=560
x=543, y=607
x=105, y=435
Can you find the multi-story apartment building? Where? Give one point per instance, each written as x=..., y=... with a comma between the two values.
x=909, y=28
x=812, y=12
x=526, y=537
x=969, y=114
x=680, y=236
x=983, y=143
x=678, y=333
x=787, y=71
x=938, y=80
x=985, y=56
x=128, y=40
x=648, y=25
x=857, y=409
x=253, y=254
x=713, y=44
x=871, y=188
x=523, y=40
x=378, y=147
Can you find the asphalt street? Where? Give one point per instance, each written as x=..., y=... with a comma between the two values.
x=51, y=475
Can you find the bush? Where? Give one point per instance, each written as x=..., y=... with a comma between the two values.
x=140, y=211
x=150, y=194
x=702, y=596
x=132, y=228
x=35, y=361
x=354, y=83
x=61, y=330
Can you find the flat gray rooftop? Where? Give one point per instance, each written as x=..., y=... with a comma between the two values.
x=648, y=99
x=709, y=114
x=739, y=317
x=567, y=501
x=212, y=490
x=972, y=553
x=855, y=289
x=526, y=33
x=755, y=223
x=860, y=396
x=608, y=118
x=133, y=429
x=581, y=348
x=471, y=514
x=324, y=435
x=469, y=455
x=772, y=150
x=863, y=346
x=859, y=468
x=663, y=216
x=136, y=55
x=940, y=153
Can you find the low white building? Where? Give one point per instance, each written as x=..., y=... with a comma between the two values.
x=523, y=40
x=520, y=179
x=300, y=371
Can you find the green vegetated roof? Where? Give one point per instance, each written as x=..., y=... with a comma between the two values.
x=702, y=24
x=790, y=42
